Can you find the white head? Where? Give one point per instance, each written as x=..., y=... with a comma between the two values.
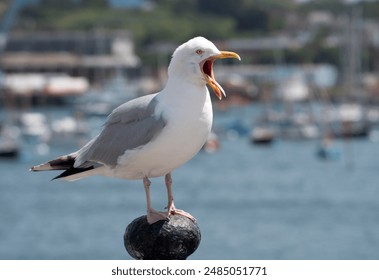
x=193, y=61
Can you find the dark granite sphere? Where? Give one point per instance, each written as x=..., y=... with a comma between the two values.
x=174, y=239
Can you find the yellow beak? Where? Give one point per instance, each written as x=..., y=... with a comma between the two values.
x=207, y=69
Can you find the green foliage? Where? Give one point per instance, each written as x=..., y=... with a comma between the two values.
x=169, y=20
x=164, y=25
x=338, y=7
x=176, y=21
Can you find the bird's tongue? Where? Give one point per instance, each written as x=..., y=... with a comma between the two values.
x=209, y=76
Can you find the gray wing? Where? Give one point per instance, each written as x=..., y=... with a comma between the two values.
x=129, y=126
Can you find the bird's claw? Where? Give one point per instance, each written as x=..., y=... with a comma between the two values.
x=155, y=216
x=182, y=213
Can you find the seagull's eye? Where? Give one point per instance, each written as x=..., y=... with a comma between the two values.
x=199, y=52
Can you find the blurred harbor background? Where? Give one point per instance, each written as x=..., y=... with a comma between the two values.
x=289, y=172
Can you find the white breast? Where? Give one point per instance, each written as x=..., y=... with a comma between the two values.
x=189, y=121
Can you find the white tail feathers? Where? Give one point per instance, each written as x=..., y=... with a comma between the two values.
x=41, y=167
x=61, y=163
x=66, y=163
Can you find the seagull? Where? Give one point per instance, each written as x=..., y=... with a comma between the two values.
x=152, y=135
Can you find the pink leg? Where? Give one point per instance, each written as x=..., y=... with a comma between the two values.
x=171, y=210
x=152, y=215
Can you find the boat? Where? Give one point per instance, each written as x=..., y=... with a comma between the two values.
x=70, y=126
x=34, y=127
x=43, y=88
x=9, y=149
x=292, y=116
x=328, y=153
x=9, y=145
x=349, y=121
x=327, y=150
x=101, y=101
x=262, y=135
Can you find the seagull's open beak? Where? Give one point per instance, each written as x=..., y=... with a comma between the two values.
x=207, y=68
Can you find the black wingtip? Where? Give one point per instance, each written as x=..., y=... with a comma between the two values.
x=72, y=171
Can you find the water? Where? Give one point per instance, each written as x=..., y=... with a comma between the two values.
x=251, y=202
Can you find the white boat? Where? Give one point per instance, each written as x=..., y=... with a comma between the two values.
x=9, y=144
x=262, y=135
x=35, y=126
